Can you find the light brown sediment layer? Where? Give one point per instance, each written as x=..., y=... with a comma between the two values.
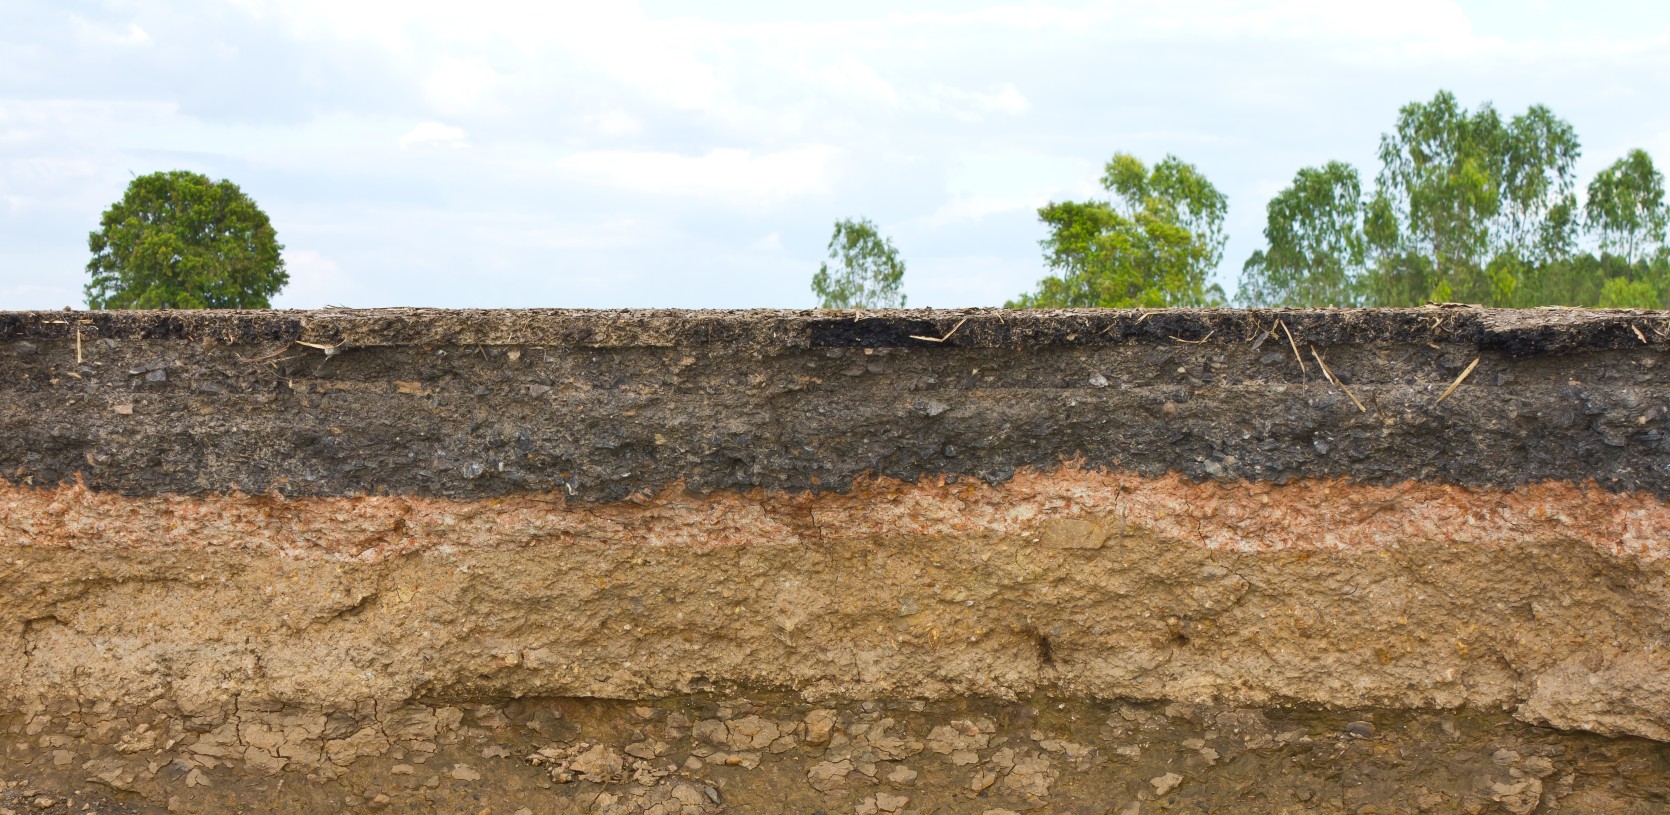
x=1550, y=600
x=1231, y=516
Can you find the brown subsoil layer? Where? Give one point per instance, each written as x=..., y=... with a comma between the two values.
x=1548, y=601
x=767, y=753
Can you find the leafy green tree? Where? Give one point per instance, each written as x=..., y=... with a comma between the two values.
x=1626, y=207
x=867, y=271
x=1463, y=189
x=1467, y=206
x=179, y=240
x=1317, y=248
x=1154, y=243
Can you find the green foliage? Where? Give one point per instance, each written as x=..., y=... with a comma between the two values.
x=179, y=240
x=1467, y=188
x=867, y=272
x=1626, y=206
x=1621, y=292
x=1467, y=207
x=1317, y=245
x=1153, y=244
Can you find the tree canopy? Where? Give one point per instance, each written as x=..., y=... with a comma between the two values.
x=180, y=240
x=1467, y=206
x=1153, y=243
x=1626, y=207
x=866, y=270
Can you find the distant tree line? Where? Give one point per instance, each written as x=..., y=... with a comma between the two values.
x=1468, y=206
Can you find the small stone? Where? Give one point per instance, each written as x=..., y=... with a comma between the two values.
x=43, y=802
x=819, y=723
x=1098, y=381
x=123, y=410
x=1165, y=783
x=402, y=769
x=495, y=751
x=829, y=775
x=380, y=800
x=982, y=780
x=648, y=749
x=890, y=803
x=1360, y=730
x=902, y=775
x=464, y=772
x=963, y=758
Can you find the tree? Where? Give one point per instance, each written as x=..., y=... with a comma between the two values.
x=1154, y=243
x=179, y=240
x=1317, y=249
x=1467, y=206
x=867, y=272
x=1626, y=207
x=1458, y=191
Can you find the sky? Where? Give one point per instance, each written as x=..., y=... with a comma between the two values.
x=669, y=153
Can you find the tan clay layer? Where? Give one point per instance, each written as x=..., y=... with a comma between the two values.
x=1551, y=600
x=1231, y=516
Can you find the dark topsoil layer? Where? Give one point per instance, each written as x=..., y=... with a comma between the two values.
x=604, y=404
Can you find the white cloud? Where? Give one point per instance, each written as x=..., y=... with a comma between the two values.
x=972, y=106
x=653, y=57
x=461, y=86
x=726, y=173
x=982, y=184
x=614, y=123
x=95, y=34
x=850, y=76
x=976, y=207
x=435, y=134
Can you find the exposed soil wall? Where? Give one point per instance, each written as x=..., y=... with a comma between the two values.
x=240, y=548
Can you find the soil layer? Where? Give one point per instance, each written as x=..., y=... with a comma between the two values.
x=604, y=405
x=889, y=562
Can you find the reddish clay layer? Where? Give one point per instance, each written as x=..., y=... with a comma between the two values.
x=1324, y=514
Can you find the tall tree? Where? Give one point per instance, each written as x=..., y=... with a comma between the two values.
x=1626, y=207
x=1153, y=243
x=1459, y=190
x=867, y=271
x=1467, y=206
x=179, y=240
x=1317, y=250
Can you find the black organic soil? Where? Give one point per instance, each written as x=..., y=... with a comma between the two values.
x=603, y=405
